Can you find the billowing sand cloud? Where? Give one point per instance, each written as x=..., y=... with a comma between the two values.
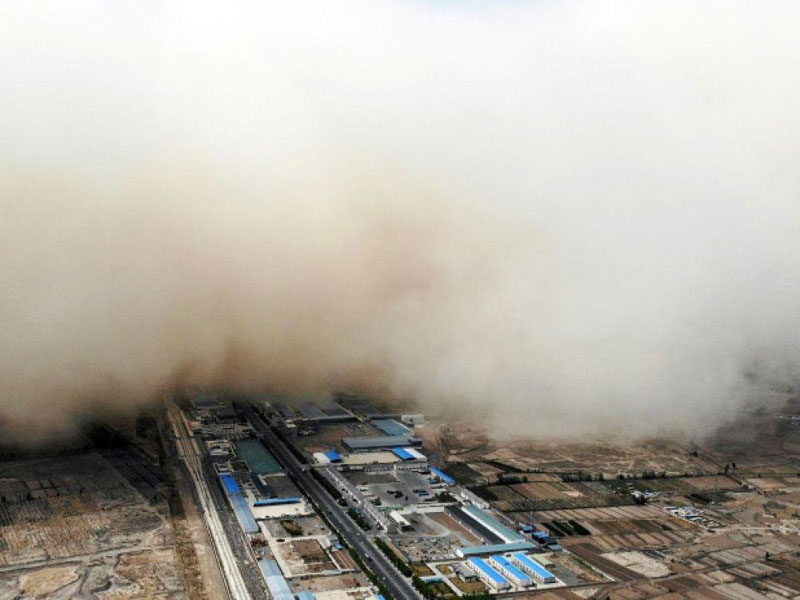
x=577, y=218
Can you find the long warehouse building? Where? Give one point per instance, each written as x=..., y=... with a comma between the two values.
x=511, y=572
x=533, y=568
x=239, y=504
x=487, y=573
x=382, y=442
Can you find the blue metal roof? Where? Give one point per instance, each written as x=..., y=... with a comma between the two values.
x=533, y=565
x=404, y=454
x=274, y=501
x=230, y=484
x=496, y=548
x=278, y=588
x=539, y=534
x=514, y=571
x=239, y=504
x=333, y=456
x=305, y=595
x=443, y=476
x=484, y=567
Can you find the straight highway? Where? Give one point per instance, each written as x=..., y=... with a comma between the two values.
x=395, y=582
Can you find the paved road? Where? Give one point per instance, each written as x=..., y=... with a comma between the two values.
x=399, y=586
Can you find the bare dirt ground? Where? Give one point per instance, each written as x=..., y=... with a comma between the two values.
x=203, y=561
x=93, y=535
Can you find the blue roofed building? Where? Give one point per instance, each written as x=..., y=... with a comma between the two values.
x=511, y=572
x=276, y=583
x=239, y=504
x=333, y=456
x=443, y=476
x=230, y=485
x=533, y=568
x=305, y=595
x=487, y=573
x=402, y=454
x=276, y=501
x=543, y=538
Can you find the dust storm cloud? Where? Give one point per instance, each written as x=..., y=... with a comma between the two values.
x=571, y=217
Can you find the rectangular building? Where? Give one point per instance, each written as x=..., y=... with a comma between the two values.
x=443, y=476
x=533, y=568
x=239, y=504
x=493, y=549
x=391, y=427
x=487, y=574
x=416, y=419
x=384, y=442
x=416, y=454
x=506, y=534
x=511, y=572
x=402, y=454
x=276, y=583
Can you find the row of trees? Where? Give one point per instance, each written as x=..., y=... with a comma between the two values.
x=356, y=515
x=392, y=556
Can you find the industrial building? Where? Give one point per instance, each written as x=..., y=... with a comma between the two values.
x=367, y=444
x=485, y=526
x=488, y=574
x=509, y=571
x=494, y=549
x=391, y=427
x=443, y=476
x=258, y=459
x=473, y=498
x=416, y=419
x=328, y=457
x=328, y=412
x=239, y=504
x=500, y=531
x=401, y=521
x=276, y=501
x=407, y=454
x=403, y=465
x=533, y=568
x=276, y=583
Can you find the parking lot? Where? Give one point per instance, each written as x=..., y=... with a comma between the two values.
x=395, y=489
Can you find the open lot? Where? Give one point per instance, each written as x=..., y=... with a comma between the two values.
x=304, y=557
x=435, y=536
x=76, y=523
x=396, y=489
x=296, y=526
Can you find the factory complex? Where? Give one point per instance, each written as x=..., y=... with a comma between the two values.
x=292, y=552
x=374, y=462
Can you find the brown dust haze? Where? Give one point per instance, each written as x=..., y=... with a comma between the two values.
x=573, y=217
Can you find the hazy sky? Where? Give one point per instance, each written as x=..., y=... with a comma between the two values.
x=573, y=216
